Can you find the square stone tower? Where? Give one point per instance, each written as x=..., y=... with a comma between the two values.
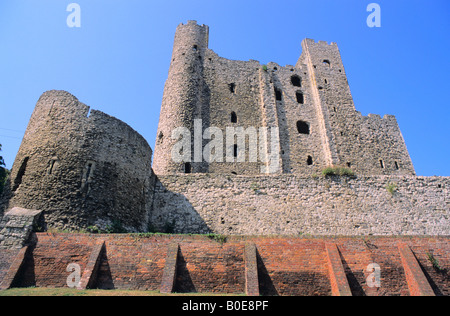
x=307, y=109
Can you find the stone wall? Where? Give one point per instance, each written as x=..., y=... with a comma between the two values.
x=81, y=168
x=292, y=205
x=314, y=93
x=16, y=226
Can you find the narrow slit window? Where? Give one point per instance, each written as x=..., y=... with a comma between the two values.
x=382, y=163
x=88, y=172
x=300, y=97
x=396, y=165
x=51, y=166
x=303, y=127
x=235, y=151
x=232, y=87
x=233, y=117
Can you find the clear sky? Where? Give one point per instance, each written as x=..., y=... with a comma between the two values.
x=118, y=60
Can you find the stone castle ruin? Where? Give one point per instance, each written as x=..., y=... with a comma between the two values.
x=240, y=153
x=84, y=169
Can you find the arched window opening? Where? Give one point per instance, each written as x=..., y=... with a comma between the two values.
x=326, y=62
x=232, y=87
x=303, y=127
x=296, y=81
x=309, y=161
x=233, y=117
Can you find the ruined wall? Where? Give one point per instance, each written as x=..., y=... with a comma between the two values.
x=81, y=169
x=310, y=104
x=292, y=205
x=234, y=91
x=369, y=145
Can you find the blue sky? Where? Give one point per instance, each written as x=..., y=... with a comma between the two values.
x=118, y=60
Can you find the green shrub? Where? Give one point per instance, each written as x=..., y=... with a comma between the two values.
x=433, y=261
x=391, y=188
x=338, y=171
x=221, y=239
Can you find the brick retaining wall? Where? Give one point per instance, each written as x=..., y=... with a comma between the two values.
x=285, y=265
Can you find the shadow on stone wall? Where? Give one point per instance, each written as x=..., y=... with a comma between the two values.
x=173, y=213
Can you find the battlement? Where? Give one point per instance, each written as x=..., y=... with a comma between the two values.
x=312, y=41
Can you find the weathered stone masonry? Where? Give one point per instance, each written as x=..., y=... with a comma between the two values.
x=313, y=93
x=86, y=169
x=294, y=205
x=78, y=169
x=81, y=168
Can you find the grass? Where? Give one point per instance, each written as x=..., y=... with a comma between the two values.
x=34, y=291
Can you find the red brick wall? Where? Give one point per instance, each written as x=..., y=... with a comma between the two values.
x=6, y=259
x=47, y=265
x=132, y=263
x=208, y=266
x=286, y=266
x=292, y=267
x=439, y=279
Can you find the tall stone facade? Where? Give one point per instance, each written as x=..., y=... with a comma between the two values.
x=310, y=104
x=84, y=168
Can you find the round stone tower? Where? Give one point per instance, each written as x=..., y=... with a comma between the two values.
x=82, y=168
x=183, y=99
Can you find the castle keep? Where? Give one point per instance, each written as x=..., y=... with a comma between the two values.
x=254, y=141
x=310, y=104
